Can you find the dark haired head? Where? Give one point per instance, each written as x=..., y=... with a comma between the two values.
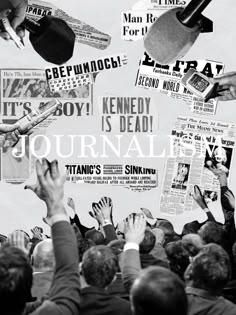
x=99, y=266
x=191, y=228
x=211, y=269
x=15, y=280
x=178, y=258
x=96, y=236
x=83, y=245
x=148, y=242
x=158, y=291
x=211, y=232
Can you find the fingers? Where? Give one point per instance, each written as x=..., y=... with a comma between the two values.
x=4, y=128
x=226, y=79
x=4, y=13
x=40, y=173
x=54, y=170
x=5, y=35
x=92, y=214
x=20, y=31
x=31, y=187
x=19, y=13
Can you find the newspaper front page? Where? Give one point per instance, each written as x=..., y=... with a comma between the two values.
x=167, y=80
x=197, y=144
x=136, y=22
x=135, y=178
x=24, y=90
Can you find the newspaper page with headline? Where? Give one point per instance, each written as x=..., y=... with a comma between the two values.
x=135, y=178
x=24, y=90
x=136, y=22
x=197, y=144
x=167, y=80
x=84, y=33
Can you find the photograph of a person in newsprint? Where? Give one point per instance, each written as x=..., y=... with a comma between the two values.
x=87, y=88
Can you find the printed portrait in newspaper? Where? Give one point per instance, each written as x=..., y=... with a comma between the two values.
x=218, y=157
x=210, y=196
x=180, y=180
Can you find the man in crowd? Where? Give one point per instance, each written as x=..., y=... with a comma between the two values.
x=98, y=270
x=15, y=269
x=156, y=290
x=206, y=277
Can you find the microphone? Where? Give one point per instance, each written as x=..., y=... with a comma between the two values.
x=51, y=38
x=171, y=36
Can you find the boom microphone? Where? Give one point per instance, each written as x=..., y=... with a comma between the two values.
x=173, y=33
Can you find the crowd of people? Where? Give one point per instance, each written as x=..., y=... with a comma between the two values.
x=137, y=266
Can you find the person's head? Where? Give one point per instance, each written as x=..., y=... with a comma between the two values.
x=211, y=232
x=191, y=227
x=83, y=245
x=15, y=280
x=99, y=266
x=210, y=270
x=148, y=242
x=192, y=244
x=159, y=234
x=158, y=291
x=43, y=256
x=166, y=226
x=42, y=84
x=178, y=258
x=96, y=236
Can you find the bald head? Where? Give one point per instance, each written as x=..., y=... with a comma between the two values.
x=158, y=291
x=43, y=256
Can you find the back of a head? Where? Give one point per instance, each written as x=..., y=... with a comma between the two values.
x=99, y=266
x=15, y=280
x=43, y=256
x=83, y=245
x=192, y=244
x=166, y=226
x=211, y=232
x=211, y=269
x=178, y=258
x=96, y=236
x=191, y=227
x=148, y=242
x=158, y=291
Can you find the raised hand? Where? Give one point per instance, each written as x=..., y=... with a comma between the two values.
x=49, y=186
x=135, y=228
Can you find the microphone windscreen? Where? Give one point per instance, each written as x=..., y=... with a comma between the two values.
x=168, y=39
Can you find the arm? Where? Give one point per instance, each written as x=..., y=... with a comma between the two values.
x=64, y=292
x=130, y=260
x=198, y=197
x=228, y=205
x=110, y=232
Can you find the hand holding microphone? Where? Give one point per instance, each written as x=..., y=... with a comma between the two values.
x=16, y=9
x=226, y=86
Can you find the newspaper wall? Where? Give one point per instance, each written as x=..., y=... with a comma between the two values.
x=167, y=80
x=23, y=90
x=135, y=178
x=197, y=143
x=85, y=33
x=135, y=22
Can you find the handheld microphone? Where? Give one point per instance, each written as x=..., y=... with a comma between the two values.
x=51, y=38
x=174, y=32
